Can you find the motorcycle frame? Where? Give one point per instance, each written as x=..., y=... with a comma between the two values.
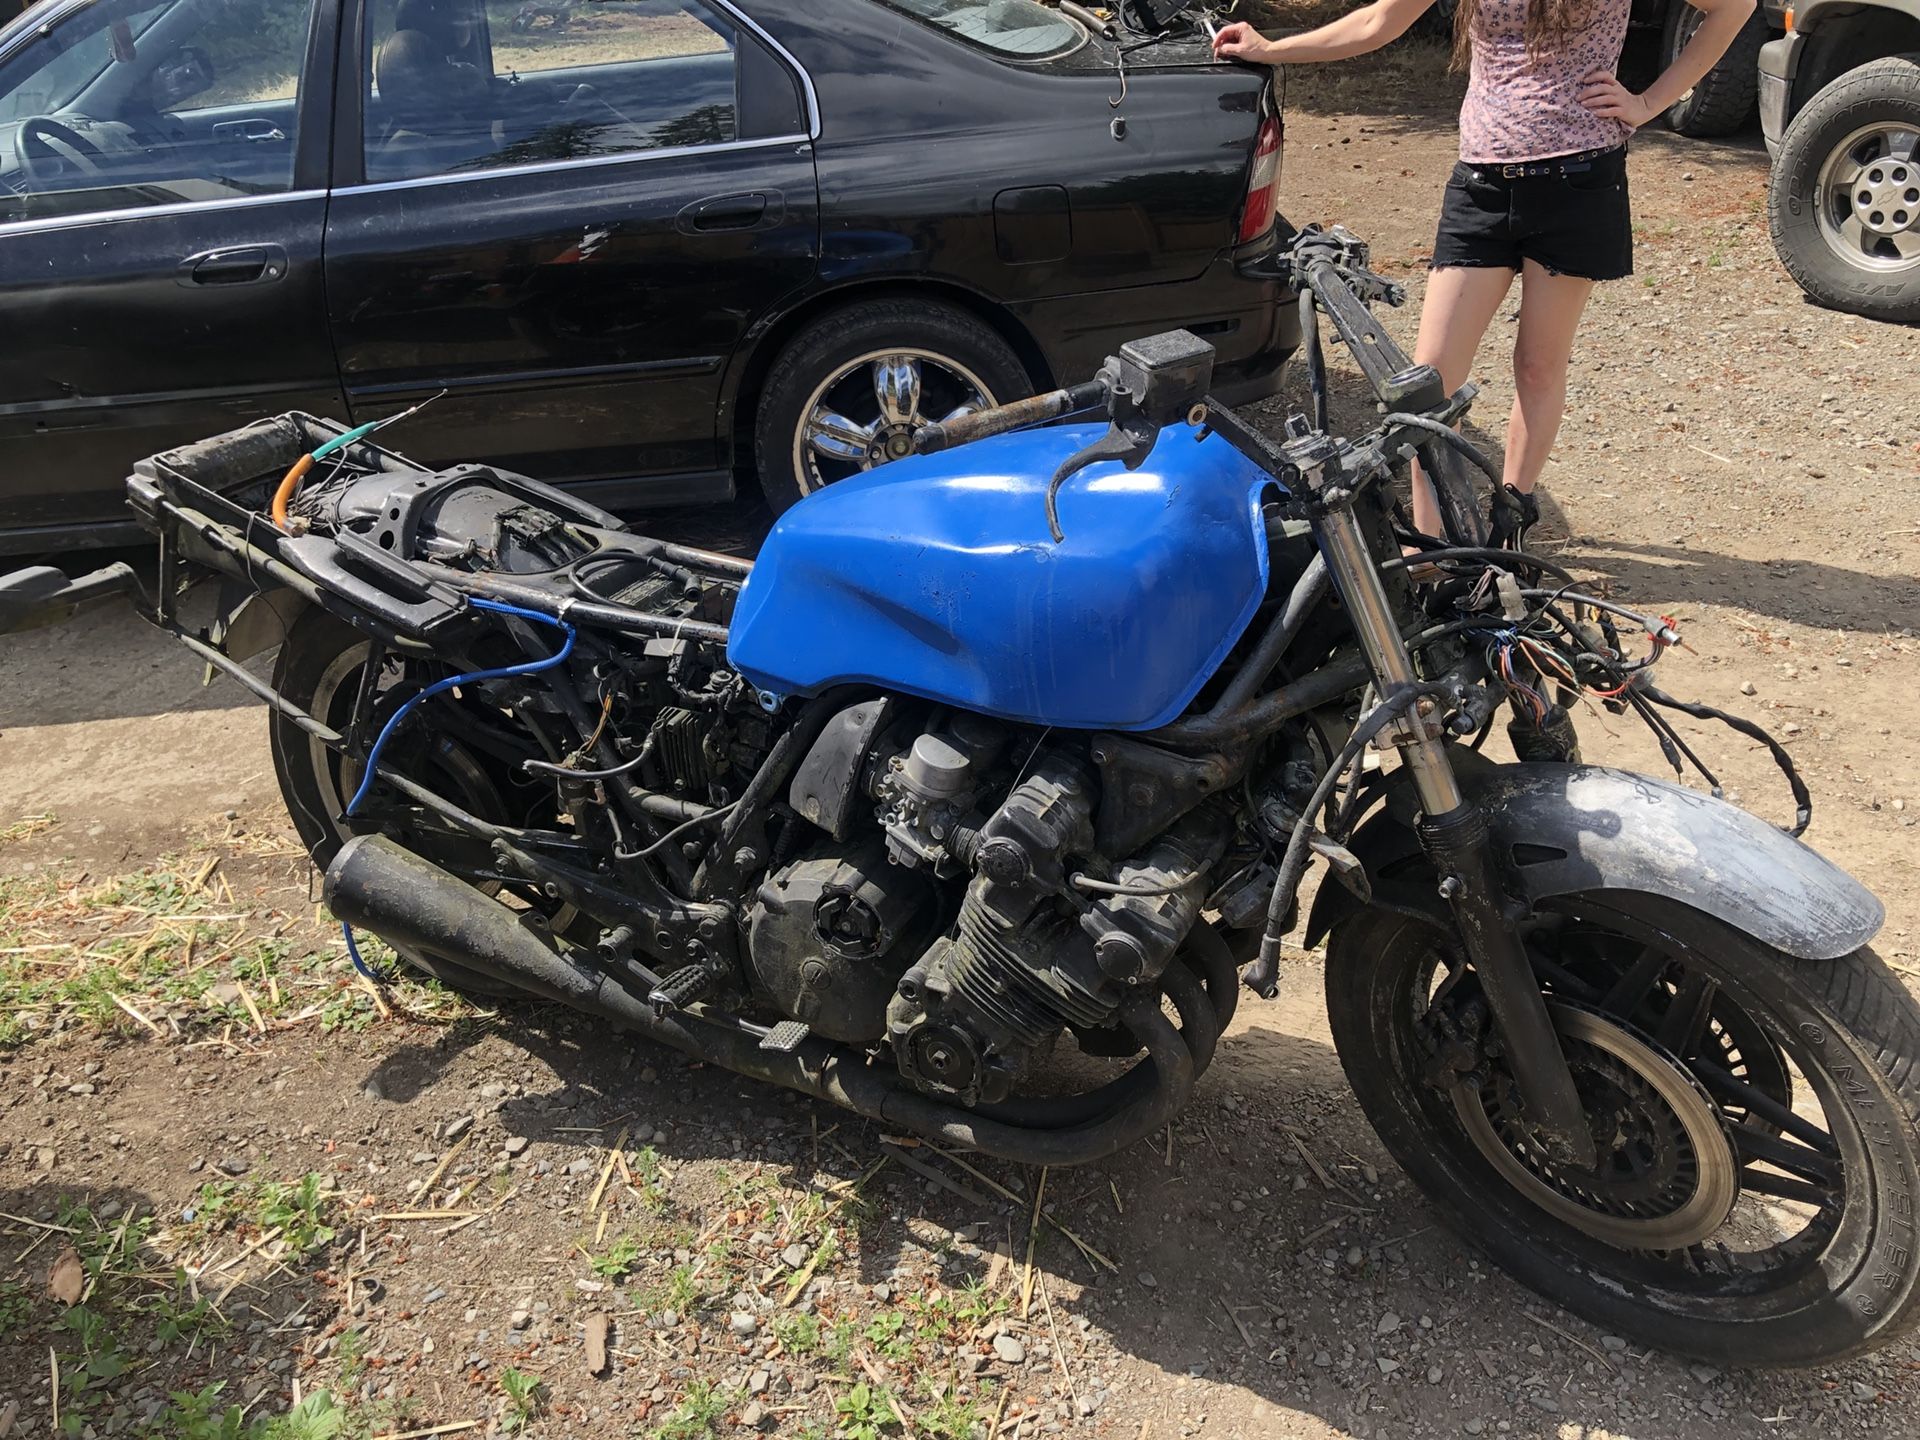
x=197, y=526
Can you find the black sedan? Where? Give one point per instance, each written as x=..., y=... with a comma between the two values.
x=646, y=248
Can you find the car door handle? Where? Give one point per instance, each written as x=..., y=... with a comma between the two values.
x=731, y=212
x=257, y=131
x=234, y=265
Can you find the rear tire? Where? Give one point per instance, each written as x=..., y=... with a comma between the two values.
x=962, y=358
x=1865, y=272
x=1728, y=95
x=1756, y=1291
x=319, y=669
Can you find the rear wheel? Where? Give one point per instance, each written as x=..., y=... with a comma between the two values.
x=1844, y=200
x=1754, y=1116
x=1726, y=97
x=320, y=668
x=850, y=391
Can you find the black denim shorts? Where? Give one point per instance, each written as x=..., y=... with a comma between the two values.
x=1573, y=223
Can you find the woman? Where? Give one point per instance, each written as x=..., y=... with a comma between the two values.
x=1541, y=187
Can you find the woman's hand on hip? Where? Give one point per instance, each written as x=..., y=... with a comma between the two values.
x=1240, y=41
x=1605, y=96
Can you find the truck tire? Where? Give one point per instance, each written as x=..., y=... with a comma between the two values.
x=1727, y=95
x=1844, y=201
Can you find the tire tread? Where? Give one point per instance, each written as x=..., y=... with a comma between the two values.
x=1796, y=237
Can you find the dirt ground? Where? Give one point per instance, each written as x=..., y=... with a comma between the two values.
x=1732, y=456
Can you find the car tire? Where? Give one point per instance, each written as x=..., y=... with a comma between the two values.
x=1728, y=95
x=1435, y=23
x=954, y=352
x=1860, y=270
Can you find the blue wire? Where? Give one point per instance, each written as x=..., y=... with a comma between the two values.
x=353, y=954
x=440, y=687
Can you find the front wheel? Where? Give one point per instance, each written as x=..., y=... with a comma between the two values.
x=1844, y=200
x=1754, y=1115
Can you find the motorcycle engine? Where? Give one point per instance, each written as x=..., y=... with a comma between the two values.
x=1027, y=956
x=830, y=934
x=962, y=929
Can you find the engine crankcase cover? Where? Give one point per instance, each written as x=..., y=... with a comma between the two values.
x=830, y=934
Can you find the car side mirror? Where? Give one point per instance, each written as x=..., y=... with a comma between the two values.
x=180, y=75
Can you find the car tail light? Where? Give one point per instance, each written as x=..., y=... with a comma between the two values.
x=1263, y=182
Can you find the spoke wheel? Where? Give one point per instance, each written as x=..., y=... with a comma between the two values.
x=1754, y=1152
x=320, y=669
x=867, y=412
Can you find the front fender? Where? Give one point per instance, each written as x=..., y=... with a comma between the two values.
x=1564, y=829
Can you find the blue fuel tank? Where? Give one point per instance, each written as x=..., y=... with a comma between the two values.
x=936, y=576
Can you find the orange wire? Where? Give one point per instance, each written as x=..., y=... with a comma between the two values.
x=289, y=486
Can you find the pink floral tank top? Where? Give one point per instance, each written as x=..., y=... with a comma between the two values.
x=1519, y=110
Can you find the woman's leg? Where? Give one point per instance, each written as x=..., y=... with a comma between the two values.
x=1550, y=308
x=1460, y=304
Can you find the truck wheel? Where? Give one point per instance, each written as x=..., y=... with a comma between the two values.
x=851, y=389
x=1725, y=98
x=1844, y=202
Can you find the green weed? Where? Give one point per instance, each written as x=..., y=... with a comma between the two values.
x=296, y=1209
x=862, y=1412
x=619, y=1259
x=16, y=1308
x=524, y=1396
x=695, y=1417
x=798, y=1334
x=948, y=1417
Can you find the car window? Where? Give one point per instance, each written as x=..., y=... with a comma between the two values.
x=457, y=85
x=75, y=55
x=132, y=103
x=1012, y=27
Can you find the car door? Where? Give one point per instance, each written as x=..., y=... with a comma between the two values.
x=564, y=216
x=162, y=207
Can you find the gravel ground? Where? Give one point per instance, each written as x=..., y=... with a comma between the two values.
x=1732, y=456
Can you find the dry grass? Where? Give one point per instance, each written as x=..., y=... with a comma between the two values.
x=594, y=35
x=172, y=952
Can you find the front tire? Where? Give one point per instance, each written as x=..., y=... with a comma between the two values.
x=1844, y=201
x=1729, y=1049
x=850, y=390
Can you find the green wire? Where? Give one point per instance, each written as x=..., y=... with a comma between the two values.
x=340, y=442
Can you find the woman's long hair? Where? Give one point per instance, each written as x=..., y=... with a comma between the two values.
x=1549, y=22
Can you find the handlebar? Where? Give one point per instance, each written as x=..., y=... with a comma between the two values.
x=946, y=434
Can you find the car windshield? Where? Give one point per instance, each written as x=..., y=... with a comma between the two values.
x=1011, y=27
x=86, y=44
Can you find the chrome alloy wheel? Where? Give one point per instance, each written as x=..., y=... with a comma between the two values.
x=1868, y=197
x=867, y=412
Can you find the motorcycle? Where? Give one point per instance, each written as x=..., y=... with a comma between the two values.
x=972, y=802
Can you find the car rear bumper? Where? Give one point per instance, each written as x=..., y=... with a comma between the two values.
x=1252, y=323
x=1778, y=61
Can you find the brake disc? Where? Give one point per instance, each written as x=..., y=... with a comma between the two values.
x=1666, y=1176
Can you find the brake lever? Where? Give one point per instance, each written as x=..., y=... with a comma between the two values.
x=1129, y=441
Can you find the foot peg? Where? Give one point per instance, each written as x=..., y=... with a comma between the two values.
x=685, y=986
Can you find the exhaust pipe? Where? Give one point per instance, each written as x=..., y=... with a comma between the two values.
x=408, y=901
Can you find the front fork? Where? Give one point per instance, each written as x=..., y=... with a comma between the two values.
x=1456, y=837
